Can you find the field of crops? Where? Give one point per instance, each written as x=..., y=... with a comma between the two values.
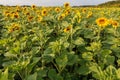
x=59, y=43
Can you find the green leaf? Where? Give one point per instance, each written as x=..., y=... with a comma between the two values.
x=42, y=72
x=4, y=75
x=62, y=60
x=31, y=65
x=94, y=46
x=106, y=52
x=118, y=73
x=84, y=70
x=111, y=73
x=97, y=72
x=53, y=75
x=10, y=55
x=48, y=55
x=118, y=62
x=88, y=33
x=66, y=44
x=110, y=60
x=72, y=59
x=87, y=56
x=79, y=41
x=32, y=77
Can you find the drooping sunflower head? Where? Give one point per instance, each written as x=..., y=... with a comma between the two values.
x=102, y=22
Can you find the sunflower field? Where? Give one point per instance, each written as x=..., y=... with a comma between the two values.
x=59, y=43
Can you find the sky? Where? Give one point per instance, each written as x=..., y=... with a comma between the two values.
x=52, y=2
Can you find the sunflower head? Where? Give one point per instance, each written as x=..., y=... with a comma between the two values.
x=14, y=27
x=62, y=16
x=67, y=11
x=14, y=15
x=44, y=12
x=39, y=18
x=30, y=18
x=33, y=6
x=89, y=14
x=27, y=13
x=115, y=24
x=67, y=5
x=57, y=9
x=67, y=29
x=102, y=22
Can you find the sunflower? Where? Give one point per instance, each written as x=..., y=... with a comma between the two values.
x=67, y=29
x=6, y=12
x=30, y=18
x=115, y=24
x=24, y=8
x=14, y=27
x=57, y=9
x=62, y=16
x=67, y=12
x=44, y=12
x=33, y=6
x=14, y=15
x=67, y=5
x=27, y=13
x=39, y=18
x=8, y=15
x=102, y=22
x=89, y=14
x=84, y=10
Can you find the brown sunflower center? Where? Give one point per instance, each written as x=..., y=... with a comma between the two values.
x=102, y=21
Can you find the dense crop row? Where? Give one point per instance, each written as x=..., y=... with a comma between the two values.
x=59, y=43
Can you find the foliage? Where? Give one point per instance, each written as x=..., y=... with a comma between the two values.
x=61, y=43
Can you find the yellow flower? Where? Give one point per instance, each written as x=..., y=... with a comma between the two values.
x=14, y=27
x=24, y=8
x=57, y=9
x=39, y=18
x=67, y=12
x=102, y=22
x=115, y=24
x=67, y=5
x=30, y=18
x=8, y=15
x=14, y=15
x=27, y=13
x=67, y=29
x=84, y=10
x=33, y=6
x=62, y=16
x=6, y=12
x=89, y=14
x=44, y=12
